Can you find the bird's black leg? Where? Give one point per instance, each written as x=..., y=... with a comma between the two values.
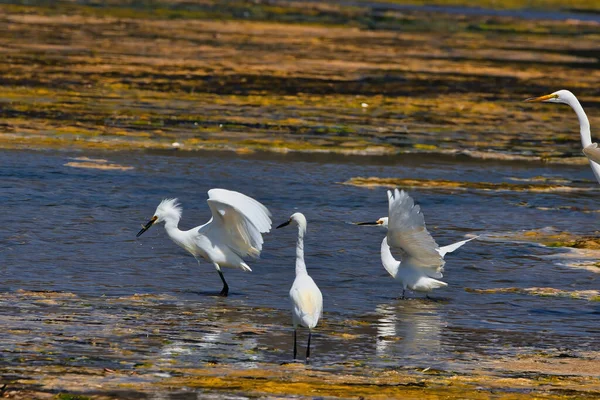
x=403, y=290
x=225, y=290
x=294, y=343
x=308, y=347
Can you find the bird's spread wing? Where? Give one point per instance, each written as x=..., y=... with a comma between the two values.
x=592, y=152
x=408, y=235
x=240, y=220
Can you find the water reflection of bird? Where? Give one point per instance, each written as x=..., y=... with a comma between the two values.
x=589, y=149
x=203, y=344
x=422, y=259
x=233, y=232
x=418, y=324
x=307, y=300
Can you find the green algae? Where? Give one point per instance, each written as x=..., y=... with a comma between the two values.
x=589, y=295
x=588, y=242
x=563, y=239
x=298, y=380
x=67, y=396
x=441, y=184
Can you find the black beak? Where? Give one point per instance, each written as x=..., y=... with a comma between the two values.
x=367, y=223
x=146, y=227
x=284, y=224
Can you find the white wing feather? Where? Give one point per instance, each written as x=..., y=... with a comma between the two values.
x=408, y=235
x=240, y=220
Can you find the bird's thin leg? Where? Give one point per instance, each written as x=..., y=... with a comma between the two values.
x=294, y=343
x=225, y=290
x=403, y=297
x=308, y=348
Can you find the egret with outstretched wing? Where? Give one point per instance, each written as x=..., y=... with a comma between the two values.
x=422, y=260
x=233, y=232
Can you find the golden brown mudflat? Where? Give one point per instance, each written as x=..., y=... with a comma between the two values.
x=292, y=76
x=149, y=364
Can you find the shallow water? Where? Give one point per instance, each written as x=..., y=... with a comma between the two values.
x=479, y=11
x=73, y=231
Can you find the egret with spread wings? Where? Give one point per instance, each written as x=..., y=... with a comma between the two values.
x=422, y=260
x=233, y=232
x=589, y=149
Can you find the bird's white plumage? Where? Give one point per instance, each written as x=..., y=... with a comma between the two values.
x=307, y=302
x=306, y=298
x=422, y=260
x=238, y=220
x=592, y=152
x=233, y=232
x=589, y=149
x=408, y=235
x=410, y=276
x=169, y=208
x=454, y=246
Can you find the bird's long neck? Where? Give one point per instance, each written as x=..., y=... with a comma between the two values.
x=584, y=123
x=300, y=265
x=585, y=131
x=390, y=264
x=171, y=226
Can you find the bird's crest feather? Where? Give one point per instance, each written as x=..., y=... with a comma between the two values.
x=169, y=206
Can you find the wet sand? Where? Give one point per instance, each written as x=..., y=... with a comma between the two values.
x=144, y=362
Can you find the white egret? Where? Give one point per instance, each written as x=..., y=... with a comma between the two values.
x=233, y=232
x=422, y=261
x=307, y=300
x=589, y=149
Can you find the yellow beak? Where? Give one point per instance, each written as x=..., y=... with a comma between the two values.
x=541, y=98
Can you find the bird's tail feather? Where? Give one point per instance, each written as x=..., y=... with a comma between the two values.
x=245, y=267
x=435, y=284
x=427, y=285
x=451, y=247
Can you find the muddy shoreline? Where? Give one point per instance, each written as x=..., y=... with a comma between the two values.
x=143, y=361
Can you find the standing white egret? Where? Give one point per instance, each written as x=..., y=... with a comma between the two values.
x=589, y=149
x=307, y=300
x=233, y=232
x=422, y=259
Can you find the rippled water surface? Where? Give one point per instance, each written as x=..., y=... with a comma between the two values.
x=72, y=231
